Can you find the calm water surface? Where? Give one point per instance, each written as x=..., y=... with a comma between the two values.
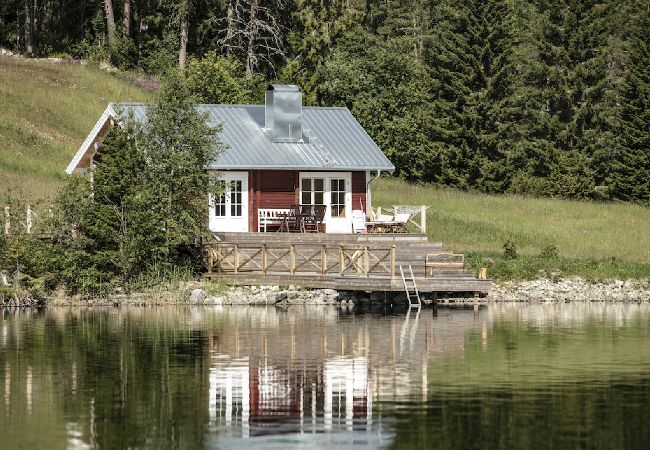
x=570, y=376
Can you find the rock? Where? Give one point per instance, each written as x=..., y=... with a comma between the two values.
x=292, y=295
x=214, y=300
x=329, y=292
x=280, y=297
x=291, y=288
x=197, y=296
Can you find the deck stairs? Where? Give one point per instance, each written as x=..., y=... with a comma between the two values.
x=410, y=287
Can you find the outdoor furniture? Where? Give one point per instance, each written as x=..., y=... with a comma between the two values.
x=270, y=218
x=442, y=262
x=311, y=217
x=303, y=219
x=358, y=221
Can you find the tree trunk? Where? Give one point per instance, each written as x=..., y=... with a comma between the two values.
x=182, y=52
x=110, y=21
x=252, y=35
x=230, y=30
x=29, y=28
x=126, y=18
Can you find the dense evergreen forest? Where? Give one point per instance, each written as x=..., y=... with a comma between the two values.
x=535, y=97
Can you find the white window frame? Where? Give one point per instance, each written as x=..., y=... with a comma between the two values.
x=228, y=222
x=333, y=224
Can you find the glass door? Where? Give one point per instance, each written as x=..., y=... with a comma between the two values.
x=229, y=210
x=332, y=189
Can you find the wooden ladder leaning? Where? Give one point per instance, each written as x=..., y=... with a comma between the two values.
x=410, y=287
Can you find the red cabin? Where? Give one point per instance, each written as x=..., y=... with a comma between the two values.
x=282, y=160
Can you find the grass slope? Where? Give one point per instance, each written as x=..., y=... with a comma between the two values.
x=599, y=240
x=46, y=111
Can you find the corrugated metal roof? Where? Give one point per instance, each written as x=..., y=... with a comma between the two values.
x=333, y=140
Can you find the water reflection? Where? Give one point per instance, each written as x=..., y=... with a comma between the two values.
x=322, y=377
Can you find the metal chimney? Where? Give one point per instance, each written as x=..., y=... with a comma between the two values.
x=283, y=113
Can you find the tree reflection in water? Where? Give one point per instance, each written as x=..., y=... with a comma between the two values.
x=561, y=376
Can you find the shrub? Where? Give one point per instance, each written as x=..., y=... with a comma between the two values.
x=510, y=249
x=549, y=252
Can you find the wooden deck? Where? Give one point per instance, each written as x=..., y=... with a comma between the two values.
x=364, y=262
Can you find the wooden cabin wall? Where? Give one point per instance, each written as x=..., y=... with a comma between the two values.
x=281, y=189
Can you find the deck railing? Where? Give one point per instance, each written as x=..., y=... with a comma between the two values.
x=324, y=260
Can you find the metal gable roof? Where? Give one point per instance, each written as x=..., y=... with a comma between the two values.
x=333, y=140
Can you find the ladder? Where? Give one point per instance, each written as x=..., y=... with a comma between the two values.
x=412, y=289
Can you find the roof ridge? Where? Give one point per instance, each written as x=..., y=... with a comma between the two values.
x=227, y=105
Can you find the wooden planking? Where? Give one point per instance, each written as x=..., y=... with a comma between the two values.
x=425, y=285
x=319, y=238
x=314, y=261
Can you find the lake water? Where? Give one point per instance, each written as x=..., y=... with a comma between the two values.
x=561, y=376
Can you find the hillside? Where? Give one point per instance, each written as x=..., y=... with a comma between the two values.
x=592, y=239
x=46, y=110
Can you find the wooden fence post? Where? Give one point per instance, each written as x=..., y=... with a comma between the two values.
x=236, y=258
x=366, y=261
x=323, y=260
x=29, y=220
x=423, y=219
x=7, y=221
x=482, y=274
x=210, y=259
x=292, y=259
x=264, y=259
x=392, y=262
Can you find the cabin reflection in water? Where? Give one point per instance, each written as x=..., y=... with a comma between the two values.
x=262, y=397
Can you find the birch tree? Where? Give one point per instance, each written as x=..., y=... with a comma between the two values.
x=253, y=32
x=110, y=21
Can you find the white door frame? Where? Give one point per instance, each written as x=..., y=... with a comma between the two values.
x=228, y=222
x=333, y=224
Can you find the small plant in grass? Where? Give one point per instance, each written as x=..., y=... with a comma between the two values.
x=510, y=249
x=216, y=288
x=549, y=252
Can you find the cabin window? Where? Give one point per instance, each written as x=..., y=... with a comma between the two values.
x=235, y=199
x=220, y=201
x=230, y=199
x=312, y=191
x=337, y=199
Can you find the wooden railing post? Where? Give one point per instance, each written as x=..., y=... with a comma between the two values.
x=366, y=261
x=423, y=219
x=292, y=259
x=392, y=262
x=264, y=257
x=341, y=261
x=7, y=221
x=29, y=220
x=236, y=257
x=210, y=259
x=323, y=260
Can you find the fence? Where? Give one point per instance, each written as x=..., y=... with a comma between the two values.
x=13, y=220
x=325, y=260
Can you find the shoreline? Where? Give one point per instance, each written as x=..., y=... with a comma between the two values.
x=542, y=290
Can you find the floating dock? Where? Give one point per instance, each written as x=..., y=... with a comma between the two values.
x=344, y=262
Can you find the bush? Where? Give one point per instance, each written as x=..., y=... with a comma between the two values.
x=510, y=249
x=549, y=252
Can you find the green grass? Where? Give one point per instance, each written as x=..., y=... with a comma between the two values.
x=594, y=240
x=46, y=111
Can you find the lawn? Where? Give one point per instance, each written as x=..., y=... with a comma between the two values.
x=593, y=239
x=46, y=110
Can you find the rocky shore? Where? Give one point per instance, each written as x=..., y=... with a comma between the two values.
x=199, y=293
x=571, y=290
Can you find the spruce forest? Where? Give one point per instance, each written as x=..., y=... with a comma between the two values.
x=531, y=97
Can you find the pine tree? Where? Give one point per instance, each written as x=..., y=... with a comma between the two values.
x=631, y=168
